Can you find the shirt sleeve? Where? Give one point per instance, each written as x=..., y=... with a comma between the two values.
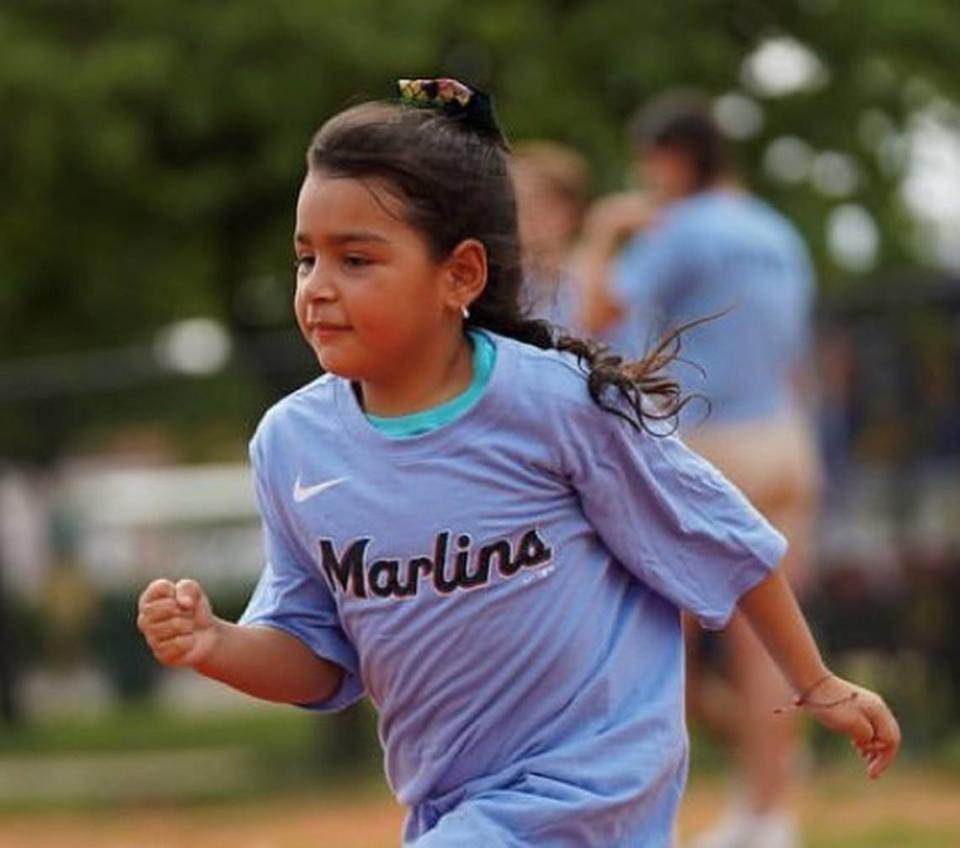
x=671, y=519
x=291, y=596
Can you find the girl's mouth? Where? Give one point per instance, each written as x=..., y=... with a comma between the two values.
x=325, y=329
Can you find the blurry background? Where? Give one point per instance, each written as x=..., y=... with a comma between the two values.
x=150, y=154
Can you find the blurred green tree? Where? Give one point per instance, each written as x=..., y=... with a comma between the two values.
x=152, y=149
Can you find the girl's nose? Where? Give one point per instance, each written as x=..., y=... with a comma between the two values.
x=318, y=284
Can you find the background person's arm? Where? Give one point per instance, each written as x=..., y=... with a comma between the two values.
x=609, y=222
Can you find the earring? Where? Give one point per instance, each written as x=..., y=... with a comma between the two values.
x=464, y=312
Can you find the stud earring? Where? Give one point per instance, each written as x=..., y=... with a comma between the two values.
x=464, y=312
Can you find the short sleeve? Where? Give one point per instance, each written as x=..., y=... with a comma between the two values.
x=291, y=596
x=672, y=519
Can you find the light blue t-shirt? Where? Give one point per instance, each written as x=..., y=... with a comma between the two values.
x=506, y=590
x=722, y=252
x=551, y=300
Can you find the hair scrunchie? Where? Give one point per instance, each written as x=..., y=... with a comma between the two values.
x=459, y=101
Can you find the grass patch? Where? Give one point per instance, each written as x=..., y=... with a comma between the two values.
x=881, y=837
x=141, y=727
x=141, y=754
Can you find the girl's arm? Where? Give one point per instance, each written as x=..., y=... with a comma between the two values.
x=269, y=664
x=773, y=612
x=181, y=629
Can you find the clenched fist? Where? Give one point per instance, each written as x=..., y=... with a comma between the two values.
x=177, y=622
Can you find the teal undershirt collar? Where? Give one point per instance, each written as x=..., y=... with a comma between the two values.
x=418, y=423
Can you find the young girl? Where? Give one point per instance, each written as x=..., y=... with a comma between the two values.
x=477, y=524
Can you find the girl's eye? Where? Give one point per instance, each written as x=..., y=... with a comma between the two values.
x=302, y=265
x=352, y=260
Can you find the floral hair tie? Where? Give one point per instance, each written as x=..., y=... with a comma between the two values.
x=435, y=93
x=458, y=101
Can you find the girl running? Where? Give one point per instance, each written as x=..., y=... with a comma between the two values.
x=482, y=526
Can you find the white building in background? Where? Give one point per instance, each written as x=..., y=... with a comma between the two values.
x=118, y=526
x=25, y=550
x=132, y=525
x=124, y=526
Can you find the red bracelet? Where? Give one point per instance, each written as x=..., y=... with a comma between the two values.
x=803, y=699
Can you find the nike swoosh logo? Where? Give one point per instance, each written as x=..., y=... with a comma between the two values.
x=303, y=493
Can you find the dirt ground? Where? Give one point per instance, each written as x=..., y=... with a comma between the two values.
x=905, y=810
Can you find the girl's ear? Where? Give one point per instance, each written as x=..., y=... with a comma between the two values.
x=466, y=274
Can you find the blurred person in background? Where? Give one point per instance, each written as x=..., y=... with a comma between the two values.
x=552, y=183
x=696, y=244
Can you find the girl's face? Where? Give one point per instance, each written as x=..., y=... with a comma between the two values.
x=369, y=295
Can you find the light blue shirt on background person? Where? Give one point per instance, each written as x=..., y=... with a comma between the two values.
x=559, y=304
x=506, y=589
x=727, y=253
x=554, y=301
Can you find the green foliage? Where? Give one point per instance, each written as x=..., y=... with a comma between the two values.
x=152, y=148
x=139, y=753
x=143, y=727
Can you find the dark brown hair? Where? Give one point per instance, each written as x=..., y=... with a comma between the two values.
x=455, y=184
x=682, y=121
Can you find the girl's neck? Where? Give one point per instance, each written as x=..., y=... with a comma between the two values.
x=431, y=380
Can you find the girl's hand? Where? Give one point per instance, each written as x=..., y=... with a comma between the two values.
x=861, y=714
x=177, y=622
